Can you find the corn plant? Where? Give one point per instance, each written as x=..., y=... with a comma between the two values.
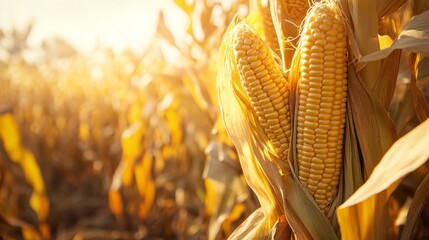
x=311, y=122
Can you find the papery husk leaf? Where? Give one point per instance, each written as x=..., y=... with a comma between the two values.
x=419, y=201
x=366, y=208
x=281, y=230
x=394, y=23
x=414, y=38
x=374, y=128
x=287, y=31
x=387, y=7
x=303, y=214
x=351, y=174
x=257, y=168
x=249, y=228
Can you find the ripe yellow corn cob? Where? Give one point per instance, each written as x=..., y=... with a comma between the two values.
x=297, y=9
x=322, y=89
x=265, y=85
x=268, y=27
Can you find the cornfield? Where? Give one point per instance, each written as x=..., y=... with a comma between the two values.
x=271, y=119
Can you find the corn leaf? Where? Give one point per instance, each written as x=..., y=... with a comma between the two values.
x=386, y=83
x=420, y=105
x=145, y=184
x=420, y=6
x=414, y=38
x=386, y=7
x=11, y=139
x=115, y=202
x=416, y=208
x=223, y=190
x=367, y=206
x=375, y=130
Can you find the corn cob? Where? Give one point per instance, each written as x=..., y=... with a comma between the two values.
x=265, y=85
x=296, y=9
x=269, y=30
x=322, y=89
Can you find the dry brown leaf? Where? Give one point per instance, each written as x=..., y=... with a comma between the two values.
x=420, y=105
x=386, y=7
x=374, y=128
x=419, y=201
x=385, y=86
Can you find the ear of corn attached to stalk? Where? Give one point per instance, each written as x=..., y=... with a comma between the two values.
x=265, y=85
x=268, y=28
x=293, y=11
x=322, y=90
x=296, y=9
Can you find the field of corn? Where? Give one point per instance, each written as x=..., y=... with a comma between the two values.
x=271, y=119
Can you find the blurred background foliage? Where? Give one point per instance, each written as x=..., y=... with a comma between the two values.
x=119, y=145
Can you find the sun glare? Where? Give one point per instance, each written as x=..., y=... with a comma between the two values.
x=87, y=24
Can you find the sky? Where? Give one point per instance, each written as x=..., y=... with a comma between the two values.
x=115, y=23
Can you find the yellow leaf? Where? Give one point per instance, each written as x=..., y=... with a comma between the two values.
x=149, y=197
x=31, y=171
x=236, y=213
x=84, y=131
x=142, y=171
x=40, y=204
x=385, y=41
x=212, y=196
x=44, y=229
x=145, y=184
x=115, y=202
x=131, y=141
x=188, y=8
x=366, y=208
x=134, y=114
x=29, y=233
x=414, y=38
x=10, y=135
x=127, y=174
